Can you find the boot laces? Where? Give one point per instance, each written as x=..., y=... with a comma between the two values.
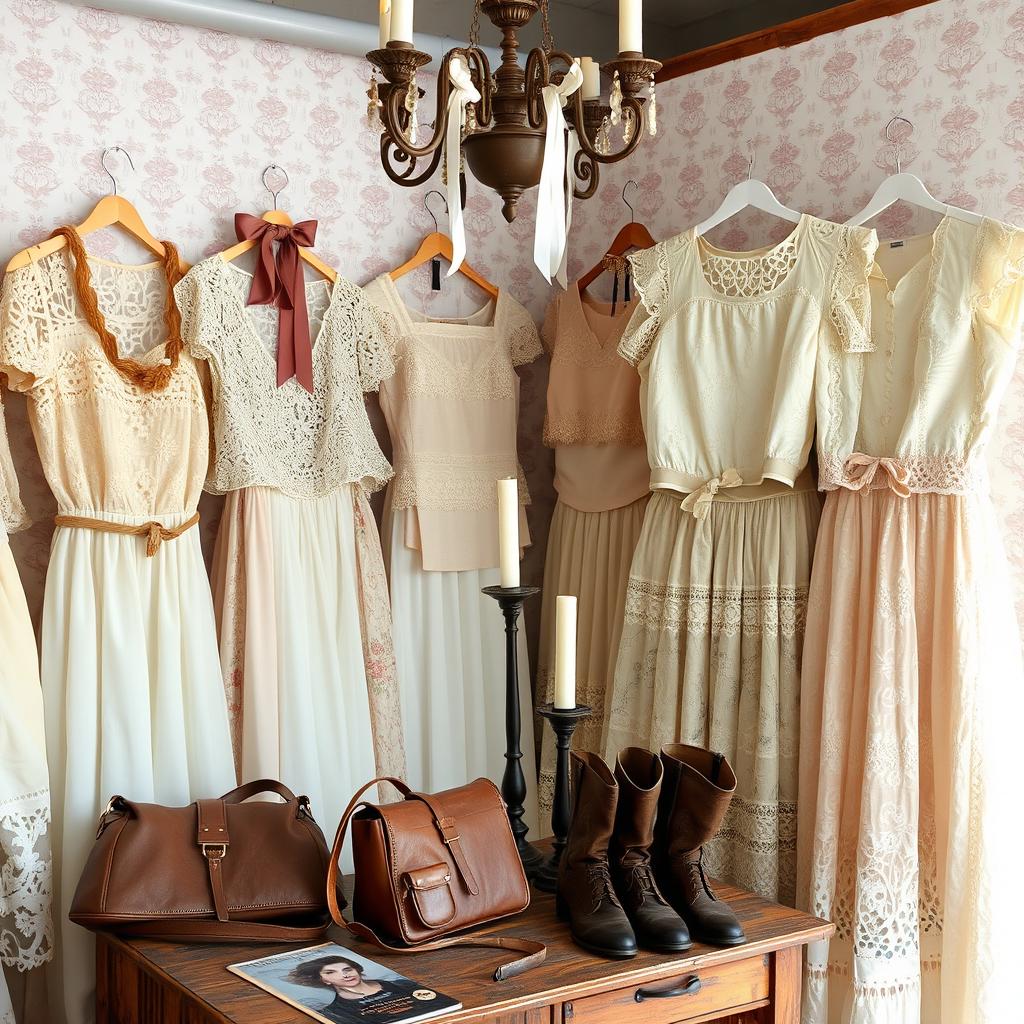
x=601, y=887
x=698, y=869
x=641, y=884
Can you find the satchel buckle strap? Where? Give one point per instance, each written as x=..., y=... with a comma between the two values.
x=212, y=839
x=214, y=851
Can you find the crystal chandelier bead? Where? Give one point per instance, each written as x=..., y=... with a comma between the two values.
x=616, y=99
x=373, y=121
x=652, y=110
x=412, y=96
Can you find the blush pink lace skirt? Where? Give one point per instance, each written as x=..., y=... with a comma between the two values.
x=911, y=669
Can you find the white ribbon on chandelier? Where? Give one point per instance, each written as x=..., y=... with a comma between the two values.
x=554, y=201
x=463, y=92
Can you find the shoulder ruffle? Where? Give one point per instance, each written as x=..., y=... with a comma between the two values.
x=520, y=330
x=998, y=285
x=848, y=301
x=650, y=269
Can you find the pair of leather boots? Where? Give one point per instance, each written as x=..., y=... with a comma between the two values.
x=631, y=871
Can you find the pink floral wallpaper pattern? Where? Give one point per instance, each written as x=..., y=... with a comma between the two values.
x=202, y=113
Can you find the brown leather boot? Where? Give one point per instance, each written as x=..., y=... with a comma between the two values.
x=695, y=795
x=657, y=926
x=586, y=896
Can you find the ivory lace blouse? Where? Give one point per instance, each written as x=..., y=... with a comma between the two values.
x=12, y=512
x=304, y=445
x=917, y=409
x=106, y=445
x=727, y=346
x=593, y=406
x=452, y=409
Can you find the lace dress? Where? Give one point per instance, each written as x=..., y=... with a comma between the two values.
x=26, y=931
x=299, y=584
x=602, y=479
x=131, y=682
x=727, y=346
x=452, y=410
x=912, y=668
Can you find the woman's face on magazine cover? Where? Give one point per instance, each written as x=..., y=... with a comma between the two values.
x=340, y=976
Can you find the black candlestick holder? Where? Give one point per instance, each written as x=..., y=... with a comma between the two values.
x=513, y=782
x=563, y=722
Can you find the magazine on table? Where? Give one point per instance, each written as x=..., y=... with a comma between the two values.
x=332, y=984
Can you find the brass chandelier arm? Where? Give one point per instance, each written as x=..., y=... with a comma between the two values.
x=392, y=154
x=538, y=75
x=586, y=170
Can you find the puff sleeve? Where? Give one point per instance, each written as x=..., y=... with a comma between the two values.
x=26, y=347
x=651, y=279
x=523, y=339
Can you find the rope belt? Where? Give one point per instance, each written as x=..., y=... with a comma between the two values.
x=154, y=533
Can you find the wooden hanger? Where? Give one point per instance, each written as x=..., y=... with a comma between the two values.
x=276, y=216
x=632, y=236
x=437, y=245
x=908, y=187
x=111, y=211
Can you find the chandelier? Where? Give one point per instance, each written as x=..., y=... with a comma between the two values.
x=503, y=131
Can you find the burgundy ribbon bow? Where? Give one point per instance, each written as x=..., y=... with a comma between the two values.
x=279, y=281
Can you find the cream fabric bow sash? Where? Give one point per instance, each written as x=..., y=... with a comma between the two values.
x=699, y=501
x=554, y=199
x=860, y=471
x=463, y=92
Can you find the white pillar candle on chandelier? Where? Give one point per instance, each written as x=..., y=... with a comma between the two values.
x=631, y=26
x=565, y=652
x=401, y=21
x=385, y=22
x=508, y=531
x=591, y=78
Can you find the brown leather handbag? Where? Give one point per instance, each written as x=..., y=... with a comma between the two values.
x=432, y=865
x=215, y=871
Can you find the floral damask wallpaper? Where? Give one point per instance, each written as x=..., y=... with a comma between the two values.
x=202, y=113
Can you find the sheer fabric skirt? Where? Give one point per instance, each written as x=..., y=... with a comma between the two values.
x=450, y=650
x=912, y=690
x=588, y=556
x=305, y=642
x=710, y=654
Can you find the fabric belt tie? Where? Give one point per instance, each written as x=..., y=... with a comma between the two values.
x=463, y=92
x=860, y=471
x=699, y=501
x=279, y=281
x=154, y=533
x=554, y=197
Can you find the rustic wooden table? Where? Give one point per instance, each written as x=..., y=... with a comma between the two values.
x=140, y=981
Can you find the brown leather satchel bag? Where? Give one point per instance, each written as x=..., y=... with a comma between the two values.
x=215, y=871
x=432, y=865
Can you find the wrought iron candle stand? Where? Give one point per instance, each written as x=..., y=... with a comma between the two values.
x=513, y=782
x=563, y=722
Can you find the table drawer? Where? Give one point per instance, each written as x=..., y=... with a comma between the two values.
x=715, y=990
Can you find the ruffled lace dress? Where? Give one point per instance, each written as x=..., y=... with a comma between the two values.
x=909, y=765
x=131, y=682
x=727, y=346
x=298, y=578
x=452, y=410
x=603, y=483
x=26, y=867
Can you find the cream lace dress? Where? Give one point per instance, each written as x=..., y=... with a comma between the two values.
x=910, y=767
x=26, y=931
x=727, y=345
x=602, y=479
x=132, y=691
x=299, y=584
x=452, y=410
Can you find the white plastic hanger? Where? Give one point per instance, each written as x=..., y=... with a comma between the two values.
x=747, y=193
x=908, y=187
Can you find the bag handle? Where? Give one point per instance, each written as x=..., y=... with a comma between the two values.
x=251, y=789
x=536, y=951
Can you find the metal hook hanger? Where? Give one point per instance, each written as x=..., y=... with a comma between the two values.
x=266, y=171
x=751, y=156
x=110, y=174
x=895, y=143
x=426, y=205
x=632, y=212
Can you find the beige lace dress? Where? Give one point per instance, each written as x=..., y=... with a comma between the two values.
x=298, y=578
x=728, y=346
x=913, y=684
x=602, y=479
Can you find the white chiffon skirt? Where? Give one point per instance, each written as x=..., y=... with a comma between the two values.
x=450, y=650
x=134, y=703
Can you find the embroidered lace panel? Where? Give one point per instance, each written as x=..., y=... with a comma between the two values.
x=447, y=481
x=584, y=426
x=927, y=474
x=749, y=277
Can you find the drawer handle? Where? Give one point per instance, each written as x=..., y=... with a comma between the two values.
x=688, y=987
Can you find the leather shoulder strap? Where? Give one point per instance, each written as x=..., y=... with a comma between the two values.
x=223, y=931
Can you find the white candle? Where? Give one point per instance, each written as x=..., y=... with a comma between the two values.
x=591, y=78
x=565, y=652
x=385, y=22
x=401, y=21
x=508, y=531
x=631, y=26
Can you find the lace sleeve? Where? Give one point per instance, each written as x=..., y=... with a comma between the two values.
x=549, y=329
x=377, y=343
x=188, y=295
x=999, y=278
x=12, y=512
x=651, y=278
x=848, y=302
x=26, y=352
x=523, y=339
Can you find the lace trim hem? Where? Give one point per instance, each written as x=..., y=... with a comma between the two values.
x=584, y=427
x=925, y=474
x=449, y=482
